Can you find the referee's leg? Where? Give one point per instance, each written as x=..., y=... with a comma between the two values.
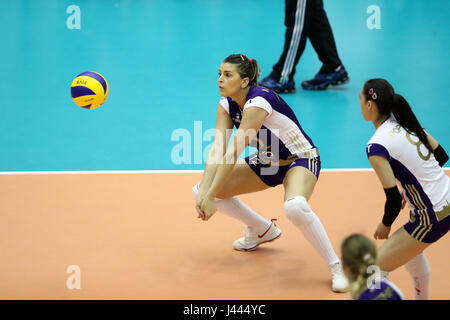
x=297, y=20
x=322, y=39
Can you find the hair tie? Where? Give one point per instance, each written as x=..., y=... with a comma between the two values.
x=373, y=94
x=366, y=257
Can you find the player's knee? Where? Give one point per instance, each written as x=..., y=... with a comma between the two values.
x=195, y=191
x=298, y=211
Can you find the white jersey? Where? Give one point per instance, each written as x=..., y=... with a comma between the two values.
x=282, y=127
x=425, y=183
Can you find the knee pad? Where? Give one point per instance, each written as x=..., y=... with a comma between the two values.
x=195, y=191
x=418, y=266
x=298, y=211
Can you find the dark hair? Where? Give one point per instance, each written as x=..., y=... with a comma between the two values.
x=358, y=253
x=246, y=67
x=381, y=92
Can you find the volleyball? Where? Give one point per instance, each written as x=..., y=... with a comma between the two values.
x=89, y=90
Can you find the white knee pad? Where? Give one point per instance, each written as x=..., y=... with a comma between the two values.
x=298, y=211
x=195, y=191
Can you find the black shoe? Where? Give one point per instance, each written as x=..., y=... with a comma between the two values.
x=323, y=80
x=271, y=84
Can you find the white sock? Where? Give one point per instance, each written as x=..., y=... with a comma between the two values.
x=235, y=208
x=419, y=269
x=300, y=214
x=316, y=235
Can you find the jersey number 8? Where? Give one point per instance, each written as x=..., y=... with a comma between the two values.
x=418, y=144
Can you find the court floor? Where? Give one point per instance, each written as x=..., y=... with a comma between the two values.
x=137, y=236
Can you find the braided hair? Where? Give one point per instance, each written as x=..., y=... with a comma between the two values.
x=358, y=253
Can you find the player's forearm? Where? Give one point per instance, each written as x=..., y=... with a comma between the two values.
x=208, y=177
x=209, y=172
x=221, y=177
x=228, y=161
x=223, y=173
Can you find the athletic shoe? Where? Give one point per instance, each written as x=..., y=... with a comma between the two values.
x=323, y=80
x=339, y=282
x=273, y=85
x=252, y=240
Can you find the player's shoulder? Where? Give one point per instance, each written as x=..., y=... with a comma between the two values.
x=225, y=100
x=226, y=103
x=383, y=290
x=385, y=133
x=384, y=141
x=260, y=97
x=260, y=93
x=263, y=92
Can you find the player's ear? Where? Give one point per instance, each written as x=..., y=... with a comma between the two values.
x=244, y=83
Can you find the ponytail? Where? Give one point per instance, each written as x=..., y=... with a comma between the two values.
x=408, y=120
x=247, y=68
x=381, y=92
x=362, y=276
x=256, y=72
x=358, y=254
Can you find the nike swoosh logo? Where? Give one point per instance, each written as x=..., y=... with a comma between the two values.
x=260, y=236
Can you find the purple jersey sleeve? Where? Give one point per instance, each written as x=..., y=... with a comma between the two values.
x=375, y=149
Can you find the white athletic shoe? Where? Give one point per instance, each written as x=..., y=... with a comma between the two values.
x=252, y=240
x=339, y=282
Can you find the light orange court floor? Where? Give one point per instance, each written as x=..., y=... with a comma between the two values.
x=137, y=236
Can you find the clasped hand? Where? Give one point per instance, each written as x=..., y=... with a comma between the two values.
x=205, y=207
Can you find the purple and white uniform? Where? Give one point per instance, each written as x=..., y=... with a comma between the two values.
x=383, y=290
x=281, y=142
x=425, y=184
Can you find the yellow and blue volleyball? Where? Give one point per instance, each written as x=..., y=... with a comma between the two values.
x=89, y=90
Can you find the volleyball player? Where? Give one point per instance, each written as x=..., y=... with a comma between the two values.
x=359, y=261
x=402, y=150
x=286, y=155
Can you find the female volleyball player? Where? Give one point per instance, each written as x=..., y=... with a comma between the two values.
x=359, y=261
x=401, y=150
x=286, y=155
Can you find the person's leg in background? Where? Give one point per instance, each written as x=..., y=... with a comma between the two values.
x=297, y=21
x=322, y=40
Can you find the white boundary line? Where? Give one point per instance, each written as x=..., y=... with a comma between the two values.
x=99, y=172
x=152, y=171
